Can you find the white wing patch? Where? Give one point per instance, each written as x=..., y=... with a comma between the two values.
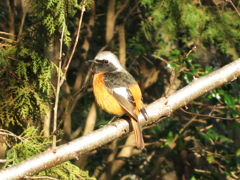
x=122, y=95
x=122, y=91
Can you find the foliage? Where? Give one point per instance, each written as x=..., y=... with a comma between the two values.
x=191, y=23
x=25, y=75
x=66, y=170
x=33, y=143
x=208, y=138
x=200, y=141
x=50, y=16
x=25, y=67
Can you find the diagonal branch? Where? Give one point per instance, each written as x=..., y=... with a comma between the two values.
x=75, y=43
x=120, y=10
x=234, y=7
x=156, y=110
x=60, y=79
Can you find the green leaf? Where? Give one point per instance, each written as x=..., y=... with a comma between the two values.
x=238, y=152
x=170, y=138
x=210, y=159
x=193, y=178
x=229, y=100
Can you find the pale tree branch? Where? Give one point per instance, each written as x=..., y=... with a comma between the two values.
x=234, y=7
x=75, y=43
x=3, y=161
x=40, y=177
x=55, y=108
x=161, y=108
x=79, y=84
x=60, y=79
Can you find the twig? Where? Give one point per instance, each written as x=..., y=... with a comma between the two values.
x=75, y=43
x=206, y=128
x=5, y=45
x=202, y=171
x=8, y=133
x=189, y=52
x=4, y=132
x=121, y=9
x=40, y=177
x=12, y=58
x=55, y=108
x=174, y=74
x=10, y=34
x=234, y=7
x=213, y=109
x=5, y=141
x=6, y=39
x=160, y=58
x=203, y=115
x=3, y=161
x=61, y=79
x=148, y=60
x=83, y=88
x=172, y=80
x=86, y=83
x=25, y=10
x=234, y=174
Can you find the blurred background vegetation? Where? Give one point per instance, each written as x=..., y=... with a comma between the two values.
x=164, y=44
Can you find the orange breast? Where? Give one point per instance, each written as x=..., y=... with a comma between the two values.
x=105, y=100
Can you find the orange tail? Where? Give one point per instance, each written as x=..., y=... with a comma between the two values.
x=138, y=133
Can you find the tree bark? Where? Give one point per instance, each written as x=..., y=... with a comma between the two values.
x=110, y=23
x=122, y=45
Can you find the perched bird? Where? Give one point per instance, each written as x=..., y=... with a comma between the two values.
x=117, y=92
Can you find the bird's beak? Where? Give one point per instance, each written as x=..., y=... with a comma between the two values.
x=92, y=61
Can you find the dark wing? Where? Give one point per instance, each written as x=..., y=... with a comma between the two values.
x=125, y=99
x=144, y=113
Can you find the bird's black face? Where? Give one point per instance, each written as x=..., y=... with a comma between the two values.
x=106, y=62
x=103, y=66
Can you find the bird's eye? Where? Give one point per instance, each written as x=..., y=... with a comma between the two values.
x=102, y=61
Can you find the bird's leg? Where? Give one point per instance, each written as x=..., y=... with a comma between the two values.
x=113, y=119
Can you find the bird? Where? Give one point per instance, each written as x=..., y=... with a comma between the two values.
x=117, y=92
